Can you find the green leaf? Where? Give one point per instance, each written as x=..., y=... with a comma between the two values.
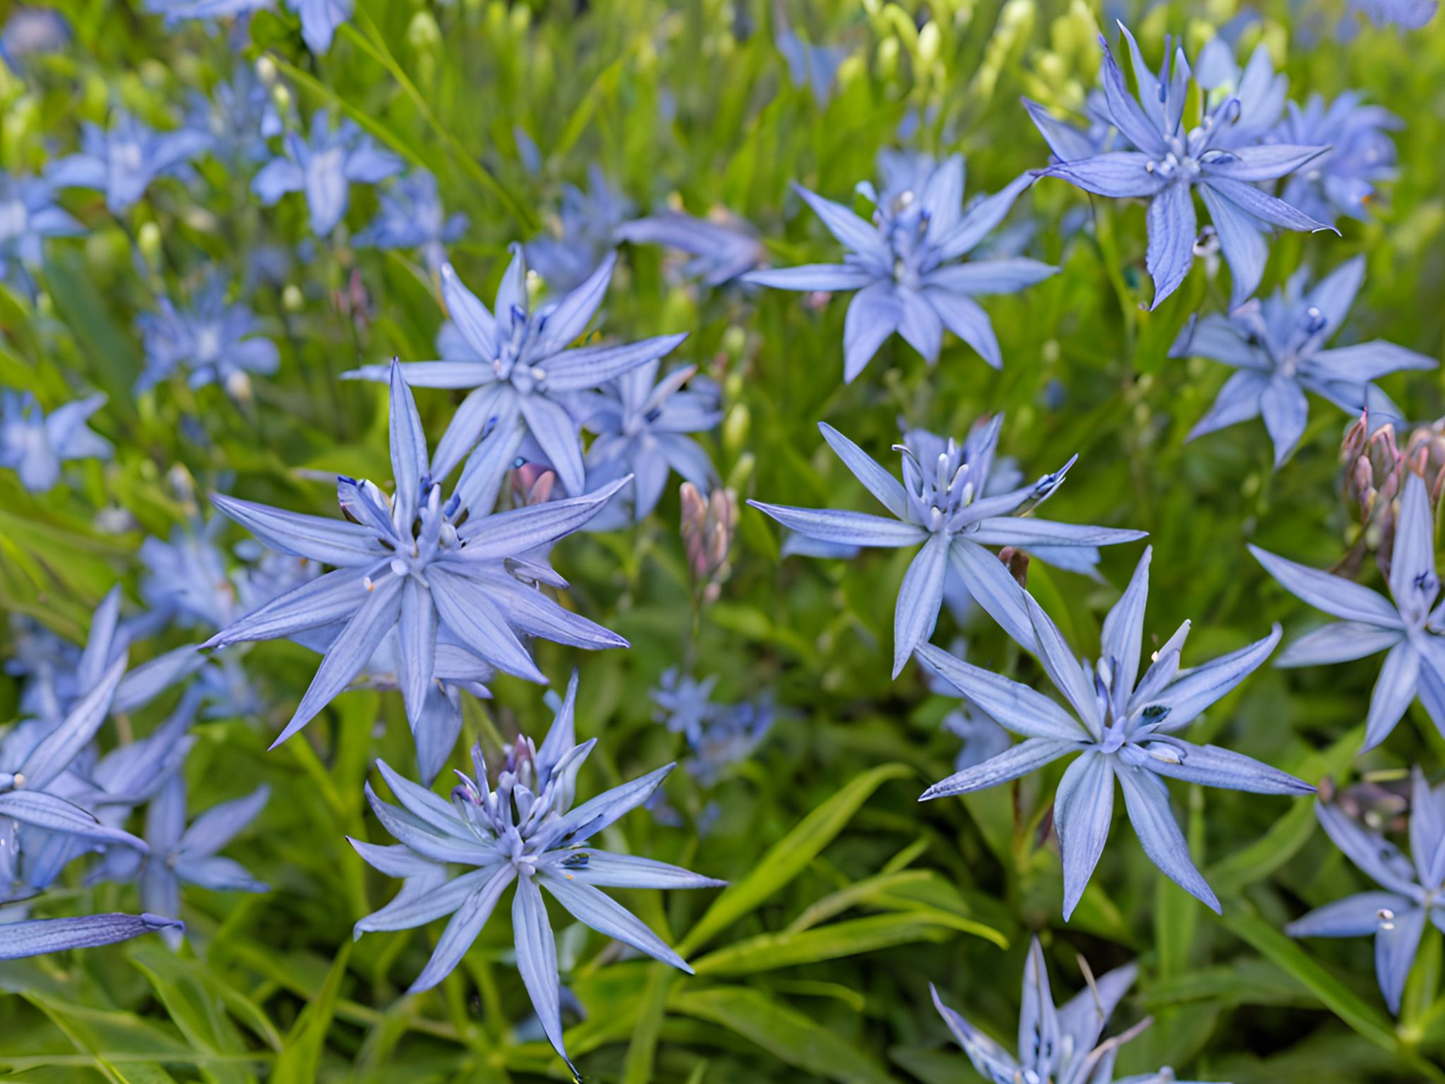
x=787, y=1035
x=848, y=938
x=301, y=1057
x=790, y=856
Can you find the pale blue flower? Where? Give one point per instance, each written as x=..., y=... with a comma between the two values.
x=525, y=375
x=723, y=248
x=1405, y=625
x=1413, y=888
x=1342, y=181
x=1277, y=346
x=941, y=504
x=1171, y=159
x=1123, y=727
x=34, y=444
x=906, y=263
x=684, y=704
x=237, y=119
x=521, y=829
x=642, y=424
x=319, y=18
x=124, y=159
x=213, y=342
x=812, y=66
x=730, y=734
x=32, y=31
x=1406, y=14
x=186, y=578
x=324, y=168
x=187, y=855
x=1258, y=91
x=29, y=216
x=411, y=216
x=436, y=573
x=582, y=236
x=36, y=936
x=1056, y=1045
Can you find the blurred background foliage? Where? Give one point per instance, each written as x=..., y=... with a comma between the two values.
x=848, y=896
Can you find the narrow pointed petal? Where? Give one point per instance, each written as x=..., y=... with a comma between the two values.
x=1353, y=916
x=1124, y=109
x=1148, y=804
x=1396, y=943
x=1339, y=641
x=469, y=314
x=518, y=530
x=416, y=657
x=857, y=234
x=992, y=1061
x=349, y=652
x=1263, y=206
x=1013, y=763
x=1005, y=276
x=982, y=218
x=607, y=870
x=332, y=542
x=845, y=528
x=409, y=910
x=963, y=316
x=1242, y=240
x=989, y=584
x=57, y=815
x=1286, y=412
x=1116, y=174
x=1375, y=856
x=1038, y=1019
x=557, y=433
x=605, y=915
x=481, y=408
x=1237, y=401
x=875, y=479
x=61, y=746
x=423, y=838
x=421, y=802
x=1334, y=595
x=1083, y=814
x=1026, y=531
x=1172, y=230
x=473, y=618
x=591, y=817
x=1265, y=162
x=592, y=366
x=464, y=928
x=220, y=824
x=808, y=277
x=573, y=313
x=1203, y=685
x=34, y=937
x=1427, y=830
x=1394, y=689
x=537, y=961
x=1413, y=582
x=1063, y=667
x=1013, y=706
x=919, y=599
x=1211, y=766
x=409, y=465
x=1123, y=632
x=873, y=315
x=323, y=601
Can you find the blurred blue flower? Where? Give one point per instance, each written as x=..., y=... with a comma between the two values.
x=1407, y=626
x=319, y=18
x=1069, y=141
x=684, y=704
x=730, y=734
x=811, y=66
x=1259, y=94
x=903, y=262
x=32, y=31
x=411, y=216
x=525, y=373
x=982, y=738
x=941, y=504
x=181, y=854
x=435, y=573
x=1414, y=887
x=1277, y=346
x=1169, y=161
x=582, y=235
x=1056, y=1045
x=641, y=422
x=523, y=829
x=1342, y=181
x=214, y=341
x=34, y=445
x=722, y=248
x=1123, y=727
x=1406, y=14
x=325, y=168
x=124, y=159
x=28, y=217
x=186, y=579
x=237, y=119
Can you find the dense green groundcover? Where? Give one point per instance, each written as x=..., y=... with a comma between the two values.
x=853, y=897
